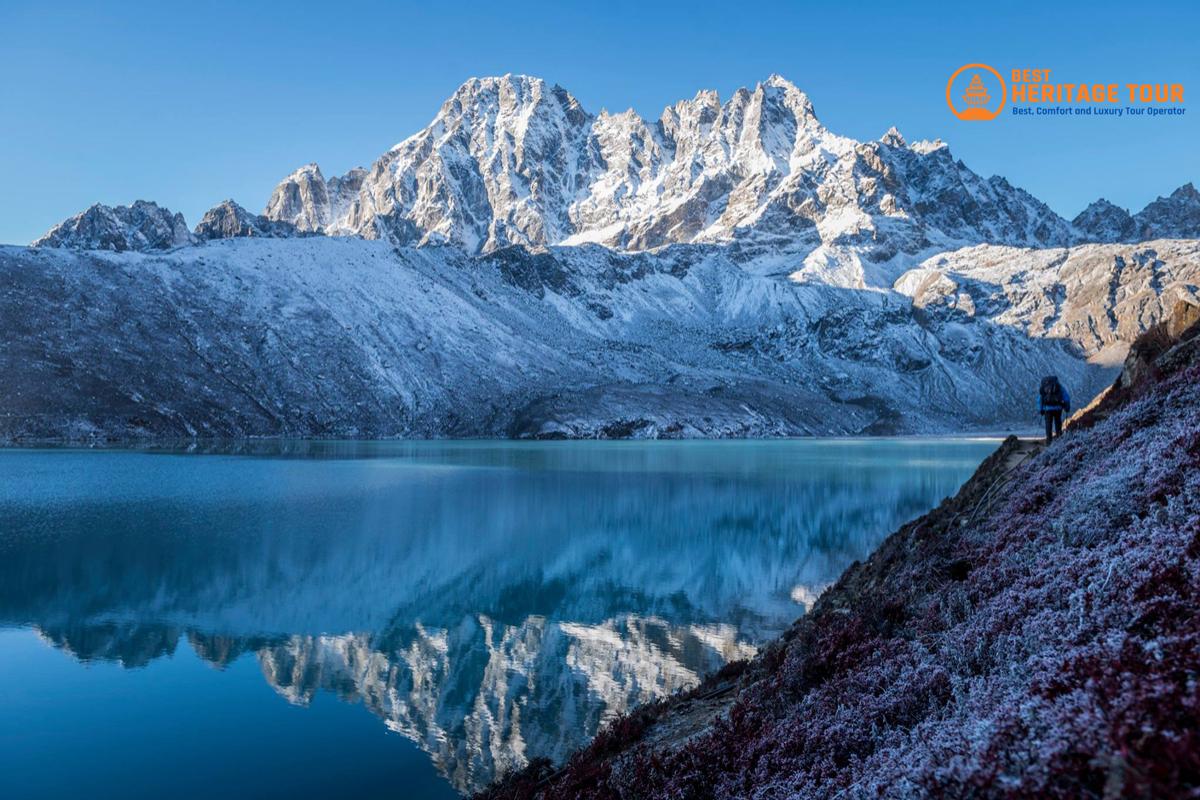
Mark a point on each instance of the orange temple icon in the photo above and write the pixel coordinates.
(976, 95)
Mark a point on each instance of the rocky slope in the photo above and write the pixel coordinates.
(1035, 636)
(334, 337)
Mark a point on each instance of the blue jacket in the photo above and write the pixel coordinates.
(1066, 402)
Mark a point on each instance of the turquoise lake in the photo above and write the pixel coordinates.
(402, 619)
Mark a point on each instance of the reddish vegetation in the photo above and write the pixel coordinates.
(1036, 636)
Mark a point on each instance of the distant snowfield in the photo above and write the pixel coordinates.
(346, 337)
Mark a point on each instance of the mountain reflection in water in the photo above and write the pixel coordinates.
(491, 602)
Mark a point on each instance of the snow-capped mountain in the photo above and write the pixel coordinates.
(757, 275)
(141, 226)
(1104, 222)
(1176, 216)
(512, 160)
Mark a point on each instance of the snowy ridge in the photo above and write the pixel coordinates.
(352, 338)
(512, 160)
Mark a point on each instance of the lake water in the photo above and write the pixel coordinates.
(402, 619)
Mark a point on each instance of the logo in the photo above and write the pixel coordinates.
(976, 92)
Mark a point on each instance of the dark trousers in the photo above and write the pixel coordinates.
(1053, 423)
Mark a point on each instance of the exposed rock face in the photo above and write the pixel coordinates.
(1184, 316)
(228, 220)
(141, 226)
(311, 203)
(1098, 297)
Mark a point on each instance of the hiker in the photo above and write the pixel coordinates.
(1053, 402)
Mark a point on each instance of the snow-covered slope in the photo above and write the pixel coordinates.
(1096, 297)
(323, 336)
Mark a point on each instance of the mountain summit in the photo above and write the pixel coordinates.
(514, 160)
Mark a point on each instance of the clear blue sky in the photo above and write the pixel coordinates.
(189, 103)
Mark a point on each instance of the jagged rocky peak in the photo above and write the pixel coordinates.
(512, 160)
(308, 201)
(228, 220)
(1103, 221)
(484, 99)
(1177, 216)
(141, 226)
(893, 138)
(778, 89)
(1173, 217)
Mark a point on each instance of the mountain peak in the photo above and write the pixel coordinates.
(1103, 221)
(893, 137)
(228, 220)
(1186, 192)
(514, 160)
(1174, 216)
(310, 168)
(927, 146)
(141, 226)
(509, 87)
(791, 96)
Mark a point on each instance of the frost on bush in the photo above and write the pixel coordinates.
(1050, 648)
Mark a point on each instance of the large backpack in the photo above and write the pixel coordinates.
(1051, 392)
